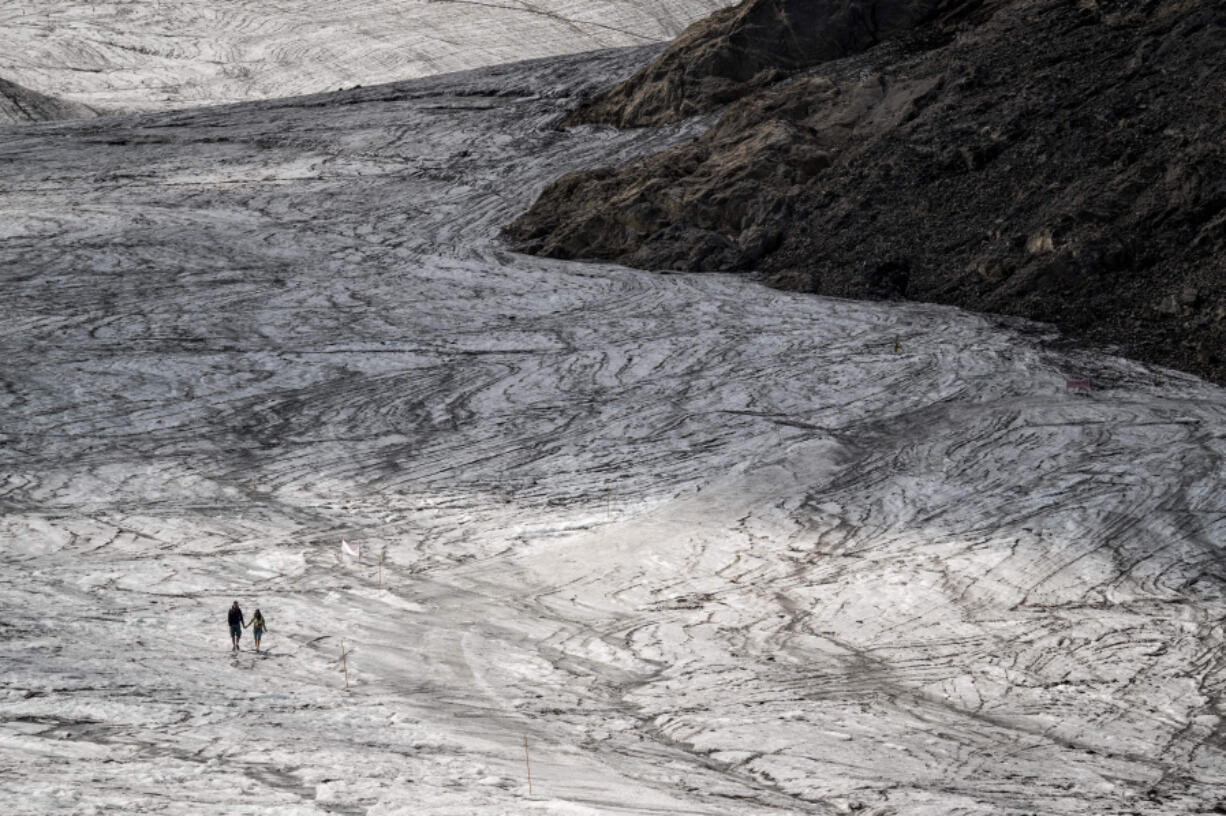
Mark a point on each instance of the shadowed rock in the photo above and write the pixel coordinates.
(751, 45)
(721, 201)
(20, 105)
(1060, 161)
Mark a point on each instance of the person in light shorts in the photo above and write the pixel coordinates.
(258, 626)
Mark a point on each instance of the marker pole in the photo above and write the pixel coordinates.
(528, 764)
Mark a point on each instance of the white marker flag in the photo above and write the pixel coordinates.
(353, 550)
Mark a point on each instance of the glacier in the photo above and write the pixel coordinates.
(669, 543)
(163, 54)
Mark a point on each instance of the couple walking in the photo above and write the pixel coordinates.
(238, 624)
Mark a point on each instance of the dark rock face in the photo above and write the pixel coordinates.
(19, 105)
(1062, 160)
(739, 49)
(722, 201)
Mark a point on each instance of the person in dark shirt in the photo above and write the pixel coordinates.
(236, 624)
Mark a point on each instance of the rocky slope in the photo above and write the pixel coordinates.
(20, 105)
(751, 45)
(1052, 159)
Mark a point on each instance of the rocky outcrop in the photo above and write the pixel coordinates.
(19, 105)
(1057, 160)
(754, 44)
(723, 200)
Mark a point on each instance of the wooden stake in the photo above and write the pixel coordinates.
(528, 764)
(345, 662)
